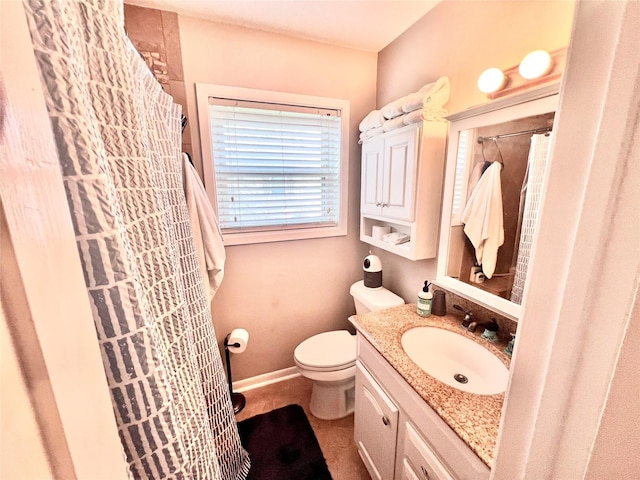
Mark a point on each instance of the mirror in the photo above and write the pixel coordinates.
(494, 180)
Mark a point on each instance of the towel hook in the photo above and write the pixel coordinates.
(481, 141)
(495, 140)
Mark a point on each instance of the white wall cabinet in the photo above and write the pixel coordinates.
(419, 444)
(401, 187)
(388, 174)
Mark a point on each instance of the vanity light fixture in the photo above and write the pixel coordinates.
(491, 80)
(536, 68)
(535, 65)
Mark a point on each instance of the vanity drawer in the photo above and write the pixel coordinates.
(416, 458)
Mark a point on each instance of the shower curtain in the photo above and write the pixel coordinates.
(538, 153)
(118, 138)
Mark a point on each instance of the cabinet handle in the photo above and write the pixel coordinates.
(385, 420)
(385, 205)
(425, 473)
(378, 204)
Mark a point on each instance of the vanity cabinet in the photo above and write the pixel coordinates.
(420, 445)
(375, 426)
(401, 186)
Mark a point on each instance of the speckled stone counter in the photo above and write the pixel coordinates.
(475, 418)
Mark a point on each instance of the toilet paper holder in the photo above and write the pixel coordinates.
(238, 400)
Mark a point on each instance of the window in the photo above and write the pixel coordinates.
(275, 164)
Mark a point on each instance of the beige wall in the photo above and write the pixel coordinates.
(460, 39)
(282, 292)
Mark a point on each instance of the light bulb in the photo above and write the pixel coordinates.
(491, 80)
(535, 64)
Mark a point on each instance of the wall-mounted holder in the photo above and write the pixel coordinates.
(238, 400)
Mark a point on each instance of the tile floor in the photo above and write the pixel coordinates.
(334, 436)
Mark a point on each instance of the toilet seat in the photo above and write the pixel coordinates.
(327, 351)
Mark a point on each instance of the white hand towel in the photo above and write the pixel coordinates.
(483, 219)
(206, 231)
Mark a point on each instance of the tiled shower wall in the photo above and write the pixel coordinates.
(156, 35)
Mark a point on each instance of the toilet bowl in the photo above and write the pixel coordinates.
(328, 359)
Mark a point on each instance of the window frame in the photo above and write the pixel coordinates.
(204, 91)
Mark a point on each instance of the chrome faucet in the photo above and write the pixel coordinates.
(472, 326)
(468, 316)
(492, 325)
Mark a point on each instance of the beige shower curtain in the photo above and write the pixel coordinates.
(118, 138)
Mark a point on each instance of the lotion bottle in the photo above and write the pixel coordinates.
(424, 301)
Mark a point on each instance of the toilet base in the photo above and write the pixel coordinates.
(332, 400)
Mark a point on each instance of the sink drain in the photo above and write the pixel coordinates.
(460, 378)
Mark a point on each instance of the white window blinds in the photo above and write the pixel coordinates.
(276, 167)
(460, 184)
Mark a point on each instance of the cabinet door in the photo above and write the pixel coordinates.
(399, 173)
(416, 459)
(407, 472)
(371, 177)
(375, 426)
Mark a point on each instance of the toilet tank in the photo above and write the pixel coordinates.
(372, 299)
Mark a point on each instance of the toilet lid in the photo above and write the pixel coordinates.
(327, 350)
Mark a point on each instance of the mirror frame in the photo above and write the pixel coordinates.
(533, 102)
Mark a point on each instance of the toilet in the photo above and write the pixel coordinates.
(329, 359)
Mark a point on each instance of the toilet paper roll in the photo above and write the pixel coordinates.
(378, 231)
(238, 336)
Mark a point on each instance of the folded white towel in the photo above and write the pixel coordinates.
(369, 134)
(483, 219)
(413, 102)
(434, 114)
(412, 117)
(432, 95)
(428, 114)
(394, 123)
(206, 231)
(374, 119)
(393, 109)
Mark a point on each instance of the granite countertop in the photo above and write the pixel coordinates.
(475, 418)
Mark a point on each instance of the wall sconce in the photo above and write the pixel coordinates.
(536, 68)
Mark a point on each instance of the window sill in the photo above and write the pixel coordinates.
(282, 235)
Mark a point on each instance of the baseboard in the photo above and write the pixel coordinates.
(265, 379)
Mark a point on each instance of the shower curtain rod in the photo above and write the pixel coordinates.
(514, 134)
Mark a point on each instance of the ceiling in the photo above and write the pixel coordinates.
(368, 25)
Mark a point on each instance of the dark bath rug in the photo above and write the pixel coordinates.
(282, 446)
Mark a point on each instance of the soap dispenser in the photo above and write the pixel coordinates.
(424, 300)
(509, 349)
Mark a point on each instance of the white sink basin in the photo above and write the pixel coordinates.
(455, 360)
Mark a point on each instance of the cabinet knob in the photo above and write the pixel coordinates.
(425, 473)
(378, 204)
(385, 420)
